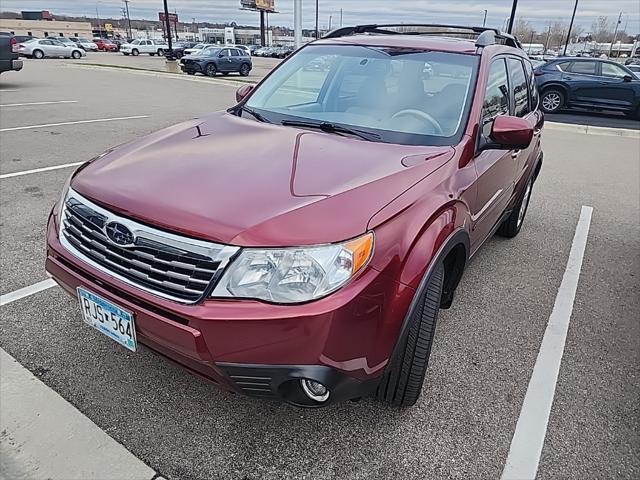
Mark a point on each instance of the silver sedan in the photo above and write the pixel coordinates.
(49, 47)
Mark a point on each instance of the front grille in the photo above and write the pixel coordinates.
(171, 266)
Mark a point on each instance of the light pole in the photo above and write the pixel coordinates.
(513, 15)
(167, 24)
(573, 16)
(126, 4)
(484, 22)
(615, 35)
(98, 17)
(317, 32)
(297, 22)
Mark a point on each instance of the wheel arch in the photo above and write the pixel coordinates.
(557, 85)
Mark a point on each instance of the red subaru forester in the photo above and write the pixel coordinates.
(299, 245)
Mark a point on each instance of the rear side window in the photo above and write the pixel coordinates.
(235, 53)
(533, 88)
(584, 68)
(496, 97)
(611, 70)
(519, 86)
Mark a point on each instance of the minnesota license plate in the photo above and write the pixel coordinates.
(104, 316)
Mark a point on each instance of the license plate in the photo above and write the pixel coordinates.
(115, 322)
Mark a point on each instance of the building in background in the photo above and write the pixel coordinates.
(46, 28)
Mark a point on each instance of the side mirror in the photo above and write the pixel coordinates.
(627, 78)
(221, 54)
(243, 92)
(509, 133)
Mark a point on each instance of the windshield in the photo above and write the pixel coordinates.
(135, 42)
(208, 52)
(403, 95)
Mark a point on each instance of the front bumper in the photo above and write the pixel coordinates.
(343, 341)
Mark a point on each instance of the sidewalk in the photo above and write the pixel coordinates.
(45, 437)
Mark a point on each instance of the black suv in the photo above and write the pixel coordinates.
(588, 83)
(213, 60)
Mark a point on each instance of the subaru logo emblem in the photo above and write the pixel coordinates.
(119, 234)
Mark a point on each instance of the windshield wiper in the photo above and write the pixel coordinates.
(329, 127)
(254, 114)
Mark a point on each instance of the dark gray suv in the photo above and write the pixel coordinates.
(213, 60)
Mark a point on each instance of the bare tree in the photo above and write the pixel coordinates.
(557, 34)
(524, 30)
(601, 30)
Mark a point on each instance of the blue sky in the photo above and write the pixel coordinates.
(538, 12)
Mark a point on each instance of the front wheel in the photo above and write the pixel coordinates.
(160, 52)
(211, 70)
(402, 381)
(552, 100)
(512, 225)
(152, 54)
(245, 69)
(135, 52)
(76, 54)
(38, 54)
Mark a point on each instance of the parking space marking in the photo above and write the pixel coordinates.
(38, 103)
(26, 291)
(38, 170)
(528, 438)
(97, 120)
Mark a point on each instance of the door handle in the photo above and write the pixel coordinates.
(515, 154)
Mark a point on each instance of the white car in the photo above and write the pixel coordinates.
(86, 45)
(152, 47)
(244, 48)
(49, 47)
(197, 48)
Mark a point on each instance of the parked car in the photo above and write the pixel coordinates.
(49, 47)
(635, 68)
(253, 48)
(214, 60)
(264, 52)
(9, 57)
(136, 47)
(282, 52)
(105, 45)
(299, 245)
(86, 45)
(179, 48)
(588, 83)
(67, 41)
(24, 38)
(246, 49)
(196, 48)
(632, 61)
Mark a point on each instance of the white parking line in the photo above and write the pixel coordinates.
(26, 291)
(37, 103)
(97, 120)
(528, 438)
(38, 170)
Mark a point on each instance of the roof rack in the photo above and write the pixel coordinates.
(484, 35)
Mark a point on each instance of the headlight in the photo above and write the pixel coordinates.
(294, 275)
(63, 198)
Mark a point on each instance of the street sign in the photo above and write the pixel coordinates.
(173, 17)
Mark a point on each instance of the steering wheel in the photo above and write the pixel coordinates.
(437, 129)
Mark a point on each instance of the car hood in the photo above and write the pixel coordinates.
(235, 180)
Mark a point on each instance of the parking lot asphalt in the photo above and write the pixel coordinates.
(485, 346)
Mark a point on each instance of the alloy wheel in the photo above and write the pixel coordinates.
(551, 101)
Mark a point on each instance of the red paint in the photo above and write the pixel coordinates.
(237, 181)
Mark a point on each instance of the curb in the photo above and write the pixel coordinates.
(45, 437)
(592, 130)
(232, 82)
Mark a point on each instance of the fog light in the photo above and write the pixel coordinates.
(315, 390)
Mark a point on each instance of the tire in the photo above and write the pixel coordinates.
(245, 69)
(190, 72)
(402, 381)
(125, 54)
(152, 54)
(135, 52)
(38, 54)
(76, 54)
(512, 225)
(211, 70)
(160, 52)
(554, 99)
